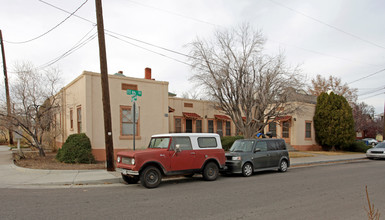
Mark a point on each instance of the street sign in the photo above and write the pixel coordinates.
(134, 93)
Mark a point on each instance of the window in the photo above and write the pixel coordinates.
(210, 126)
(129, 86)
(79, 117)
(71, 119)
(272, 145)
(159, 143)
(178, 125)
(285, 129)
(308, 129)
(219, 128)
(228, 128)
(183, 142)
(198, 125)
(273, 129)
(261, 145)
(126, 122)
(205, 142)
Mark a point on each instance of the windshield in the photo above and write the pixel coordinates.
(242, 146)
(159, 142)
(380, 145)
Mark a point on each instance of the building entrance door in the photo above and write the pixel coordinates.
(188, 126)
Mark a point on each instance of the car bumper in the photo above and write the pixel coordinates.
(375, 155)
(127, 172)
(234, 166)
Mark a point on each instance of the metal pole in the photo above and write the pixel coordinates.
(134, 106)
(6, 88)
(105, 89)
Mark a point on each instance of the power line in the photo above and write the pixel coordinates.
(373, 90)
(163, 48)
(331, 26)
(77, 46)
(149, 50)
(373, 96)
(372, 74)
(45, 33)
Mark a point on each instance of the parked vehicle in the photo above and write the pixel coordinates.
(377, 151)
(173, 154)
(370, 141)
(249, 155)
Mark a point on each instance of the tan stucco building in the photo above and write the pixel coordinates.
(82, 110)
(160, 112)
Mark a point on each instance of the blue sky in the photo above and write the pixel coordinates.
(343, 38)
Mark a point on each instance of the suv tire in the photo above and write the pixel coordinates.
(247, 169)
(210, 172)
(130, 179)
(150, 177)
(283, 166)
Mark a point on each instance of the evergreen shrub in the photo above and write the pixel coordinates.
(227, 141)
(76, 149)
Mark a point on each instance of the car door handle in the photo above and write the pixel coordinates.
(193, 153)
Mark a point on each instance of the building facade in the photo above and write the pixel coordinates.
(160, 112)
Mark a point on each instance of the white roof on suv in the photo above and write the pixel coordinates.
(186, 134)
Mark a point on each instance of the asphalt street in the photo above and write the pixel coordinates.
(320, 192)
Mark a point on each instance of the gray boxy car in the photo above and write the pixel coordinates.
(249, 155)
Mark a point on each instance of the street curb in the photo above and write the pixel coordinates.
(328, 162)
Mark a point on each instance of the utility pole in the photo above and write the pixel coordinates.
(105, 88)
(6, 88)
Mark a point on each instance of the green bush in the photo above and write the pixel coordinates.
(227, 141)
(76, 149)
(357, 146)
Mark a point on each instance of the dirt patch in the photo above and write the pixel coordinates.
(34, 161)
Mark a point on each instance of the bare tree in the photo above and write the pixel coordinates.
(248, 85)
(34, 104)
(321, 84)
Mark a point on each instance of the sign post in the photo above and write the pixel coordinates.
(134, 110)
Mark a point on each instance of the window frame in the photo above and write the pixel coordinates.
(137, 130)
(306, 130)
(79, 116)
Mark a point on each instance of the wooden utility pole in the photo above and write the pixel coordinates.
(105, 88)
(6, 87)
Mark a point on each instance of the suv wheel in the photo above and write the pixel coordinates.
(283, 166)
(130, 179)
(210, 172)
(247, 169)
(150, 177)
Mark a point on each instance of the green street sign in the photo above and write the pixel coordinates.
(134, 92)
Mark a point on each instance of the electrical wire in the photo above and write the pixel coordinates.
(372, 74)
(113, 36)
(373, 90)
(77, 46)
(372, 96)
(326, 24)
(45, 33)
(150, 44)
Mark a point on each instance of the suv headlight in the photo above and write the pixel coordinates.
(119, 159)
(236, 158)
(133, 161)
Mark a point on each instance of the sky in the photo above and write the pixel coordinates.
(342, 38)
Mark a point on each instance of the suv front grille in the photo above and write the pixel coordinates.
(127, 160)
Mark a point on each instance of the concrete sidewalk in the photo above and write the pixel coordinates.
(12, 176)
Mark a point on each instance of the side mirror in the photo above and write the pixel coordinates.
(257, 150)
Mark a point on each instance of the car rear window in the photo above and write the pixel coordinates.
(207, 142)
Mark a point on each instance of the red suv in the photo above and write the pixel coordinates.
(173, 154)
